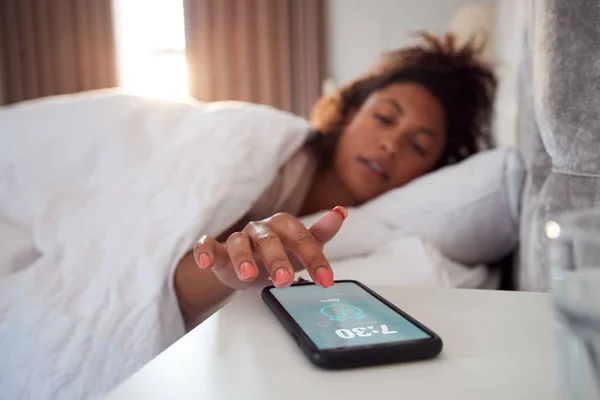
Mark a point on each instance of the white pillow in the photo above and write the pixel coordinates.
(469, 211)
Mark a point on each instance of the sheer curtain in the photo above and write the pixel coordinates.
(50, 47)
(263, 51)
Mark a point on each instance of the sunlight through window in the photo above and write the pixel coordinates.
(150, 37)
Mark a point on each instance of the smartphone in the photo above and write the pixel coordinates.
(349, 325)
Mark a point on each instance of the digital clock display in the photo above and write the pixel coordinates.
(345, 315)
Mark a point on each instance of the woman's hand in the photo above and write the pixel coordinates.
(266, 244)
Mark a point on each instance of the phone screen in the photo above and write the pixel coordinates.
(345, 315)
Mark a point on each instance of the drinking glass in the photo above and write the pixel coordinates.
(574, 260)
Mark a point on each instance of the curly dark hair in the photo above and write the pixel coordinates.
(464, 85)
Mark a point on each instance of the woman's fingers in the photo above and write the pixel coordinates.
(270, 248)
(235, 265)
(208, 253)
(305, 247)
(239, 249)
(329, 224)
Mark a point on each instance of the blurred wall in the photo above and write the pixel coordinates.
(511, 20)
(1, 80)
(358, 30)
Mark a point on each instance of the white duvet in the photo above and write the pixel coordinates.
(101, 194)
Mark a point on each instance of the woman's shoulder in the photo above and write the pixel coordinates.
(290, 186)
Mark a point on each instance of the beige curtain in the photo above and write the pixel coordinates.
(51, 47)
(262, 51)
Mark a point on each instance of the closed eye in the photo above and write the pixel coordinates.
(419, 149)
(384, 120)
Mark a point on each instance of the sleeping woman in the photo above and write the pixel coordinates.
(418, 109)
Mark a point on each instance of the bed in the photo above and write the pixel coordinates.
(553, 95)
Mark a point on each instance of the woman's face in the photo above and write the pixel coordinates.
(397, 135)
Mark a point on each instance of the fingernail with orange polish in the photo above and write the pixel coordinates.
(282, 277)
(342, 211)
(325, 277)
(204, 261)
(247, 271)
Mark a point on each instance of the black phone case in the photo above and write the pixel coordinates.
(353, 357)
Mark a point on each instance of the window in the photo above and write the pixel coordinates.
(150, 38)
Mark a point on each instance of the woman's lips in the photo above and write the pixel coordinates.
(375, 168)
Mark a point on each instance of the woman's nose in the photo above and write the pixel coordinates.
(389, 147)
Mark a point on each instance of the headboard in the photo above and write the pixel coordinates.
(558, 122)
